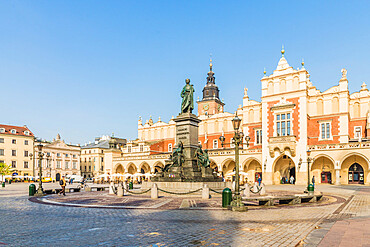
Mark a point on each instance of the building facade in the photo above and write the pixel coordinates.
(16, 144)
(60, 159)
(291, 118)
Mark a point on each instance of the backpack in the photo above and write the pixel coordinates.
(61, 182)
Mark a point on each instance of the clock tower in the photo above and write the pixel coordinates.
(211, 103)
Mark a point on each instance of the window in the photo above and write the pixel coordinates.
(14, 152)
(215, 144)
(102, 168)
(14, 141)
(2, 162)
(25, 153)
(258, 137)
(2, 130)
(85, 168)
(129, 149)
(25, 142)
(94, 159)
(13, 131)
(14, 164)
(283, 124)
(58, 164)
(25, 164)
(141, 148)
(102, 159)
(1, 152)
(325, 131)
(66, 165)
(74, 156)
(58, 154)
(74, 164)
(66, 155)
(170, 147)
(26, 133)
(1, 140)
(89, 168)
(358, 132)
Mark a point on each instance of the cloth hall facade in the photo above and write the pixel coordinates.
(292, 117)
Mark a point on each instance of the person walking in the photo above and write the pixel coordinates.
(313, 181)
(291, 179)
(62, 184)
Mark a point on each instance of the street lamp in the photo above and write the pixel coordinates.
(236, 203)
(33, 164)
(40, 191)
(308, 167)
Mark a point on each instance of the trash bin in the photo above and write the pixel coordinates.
(226, 197)
(310, 188)
(130, 186)
(31, 190)
(10, 181)
(3, 184)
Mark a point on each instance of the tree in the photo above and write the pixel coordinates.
(4, 170)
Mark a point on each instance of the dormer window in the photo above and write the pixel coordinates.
(2, 130)
(13, 131)
(27, 133)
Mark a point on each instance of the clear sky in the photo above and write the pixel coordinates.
(88, 68)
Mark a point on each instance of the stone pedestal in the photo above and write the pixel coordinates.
(154, 191)
(120, 190)
(189, 171)
(205, 192)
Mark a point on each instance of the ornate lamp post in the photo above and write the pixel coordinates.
(308, 167)
(236, 203)
(40, 191)
(33, 164)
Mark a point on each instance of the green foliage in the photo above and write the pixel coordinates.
(5, 169)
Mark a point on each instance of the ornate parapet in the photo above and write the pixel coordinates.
(282, 143)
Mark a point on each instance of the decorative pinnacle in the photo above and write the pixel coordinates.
(210, 62)
(282, 51)
(302, 63)
(264, 71)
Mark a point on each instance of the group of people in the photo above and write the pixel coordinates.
(285, 180)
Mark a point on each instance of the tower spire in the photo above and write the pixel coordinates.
(210, 62)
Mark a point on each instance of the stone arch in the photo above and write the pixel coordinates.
(323, 169)
(252, 169)
(228, 166)
(144, 167)
(119, 169)
(158, 163)
(349, 160)
(283, 166)
(131, 168)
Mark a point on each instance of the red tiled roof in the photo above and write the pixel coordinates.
(20, 130)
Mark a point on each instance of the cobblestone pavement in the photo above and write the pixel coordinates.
(33, 224)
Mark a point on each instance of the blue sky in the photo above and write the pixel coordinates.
(88, 68)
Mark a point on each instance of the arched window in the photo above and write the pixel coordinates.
(335, 105)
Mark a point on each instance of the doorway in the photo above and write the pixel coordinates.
(57, 177)
(356, 174)
(326, 177)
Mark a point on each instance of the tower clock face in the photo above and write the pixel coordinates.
(206, 107)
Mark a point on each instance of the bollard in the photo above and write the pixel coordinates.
(246, 192)
(111, 189)
(120, 191)
(154, 191)
(131, 185)
(263, 190)
(205, 192)
(125, 189)
(226, 197)
(31, 190)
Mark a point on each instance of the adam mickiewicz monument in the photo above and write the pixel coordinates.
(188, 162)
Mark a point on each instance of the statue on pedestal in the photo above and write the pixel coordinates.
(187, 104)
(202, 157)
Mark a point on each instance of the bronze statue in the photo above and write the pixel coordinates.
(177, 156)
(187, 104)
(202, 157)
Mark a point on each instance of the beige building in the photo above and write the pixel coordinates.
(60, 159)
(16, 143)
(95, 155)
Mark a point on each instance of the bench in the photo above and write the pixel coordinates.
(289, 200)
(264, 201)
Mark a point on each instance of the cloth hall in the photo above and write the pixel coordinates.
(291, 118)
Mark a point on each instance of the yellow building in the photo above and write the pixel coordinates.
(16, 144)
